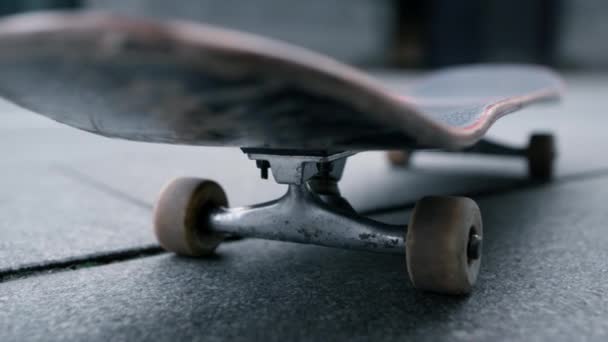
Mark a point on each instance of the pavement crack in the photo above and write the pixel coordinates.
(85, 261)
(83, 178)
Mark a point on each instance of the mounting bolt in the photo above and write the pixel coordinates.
(474, 247)
(263, 165)
(324, 169)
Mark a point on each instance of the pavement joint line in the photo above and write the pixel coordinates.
(515, 187)
(84, 261)
(87, 261)
(83, 178)
(524, 184)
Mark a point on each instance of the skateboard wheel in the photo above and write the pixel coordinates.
(541, 153)
(399, 158)
(443, 245)
(180, 216)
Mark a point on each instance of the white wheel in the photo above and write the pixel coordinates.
(541, 153)
(443, 245)
(400, 158)
(180, 216)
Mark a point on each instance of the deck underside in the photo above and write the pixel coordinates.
(115, 81)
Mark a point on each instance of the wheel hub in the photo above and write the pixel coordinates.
(474, 247)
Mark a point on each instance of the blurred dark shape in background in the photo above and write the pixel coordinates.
(16, 6)
(456, 32)
(397, 33)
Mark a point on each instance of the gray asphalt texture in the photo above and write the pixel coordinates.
(78, 260)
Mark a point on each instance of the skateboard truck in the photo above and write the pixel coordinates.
(312, 211)
(442, 242)
(540, 154)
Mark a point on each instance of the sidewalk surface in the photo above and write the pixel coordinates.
(78, 260)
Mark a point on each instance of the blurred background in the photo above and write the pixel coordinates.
(397, 33)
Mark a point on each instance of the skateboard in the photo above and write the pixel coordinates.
(295, 113)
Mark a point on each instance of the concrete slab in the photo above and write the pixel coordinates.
(543, 278)
(49, 216)
(45, 217)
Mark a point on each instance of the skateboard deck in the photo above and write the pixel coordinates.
(295, 112)
(186, 83)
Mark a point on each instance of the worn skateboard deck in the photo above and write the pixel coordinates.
(186, 83)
